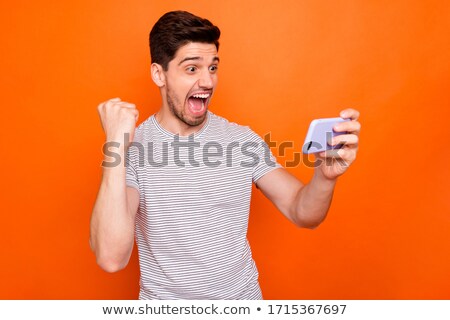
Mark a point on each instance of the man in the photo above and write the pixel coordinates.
(187, 200)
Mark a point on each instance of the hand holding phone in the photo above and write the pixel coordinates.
(320, 134)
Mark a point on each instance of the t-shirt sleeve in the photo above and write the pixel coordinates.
(266, 160)
(131, 173)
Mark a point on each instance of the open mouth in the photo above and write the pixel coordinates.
(198, 102)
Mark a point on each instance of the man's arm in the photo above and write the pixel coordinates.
(307, 205)
(113, 221)
(304, 205)
(113, 216)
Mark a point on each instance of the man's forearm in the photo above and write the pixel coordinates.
(112, 225)
(313, 201)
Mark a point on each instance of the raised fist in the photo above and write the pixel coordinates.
(118, 118)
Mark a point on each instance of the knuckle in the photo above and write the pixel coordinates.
(127, 112)
(108, 106)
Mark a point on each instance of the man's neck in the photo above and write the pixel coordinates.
(174, 125)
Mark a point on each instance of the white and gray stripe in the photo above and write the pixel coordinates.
(191, 226)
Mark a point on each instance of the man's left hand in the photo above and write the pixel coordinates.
(335, 162)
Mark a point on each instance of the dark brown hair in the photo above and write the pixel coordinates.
(175, 29)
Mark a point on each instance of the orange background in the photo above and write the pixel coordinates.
(283, 63)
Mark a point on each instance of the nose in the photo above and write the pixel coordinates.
(206, 80)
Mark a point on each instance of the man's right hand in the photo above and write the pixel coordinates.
(118, 117)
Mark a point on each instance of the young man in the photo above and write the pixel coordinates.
(184, 193)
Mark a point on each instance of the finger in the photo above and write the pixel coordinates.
(111, 102)
(108, 103)
(136, 113)
(131, 107)
(348, 126)
(333, 153)
(350, 114)
(127, 105)
(345, 140)
(122, 104)
(100, 107)
(346, 155)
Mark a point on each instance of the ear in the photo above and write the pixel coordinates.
(158, 76)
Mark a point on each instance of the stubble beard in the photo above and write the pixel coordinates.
(172, 101)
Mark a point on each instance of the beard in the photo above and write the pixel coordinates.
(178, 110)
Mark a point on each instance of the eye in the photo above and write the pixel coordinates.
(213, 68)
(191, 69)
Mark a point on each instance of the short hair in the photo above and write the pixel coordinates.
(175, 29)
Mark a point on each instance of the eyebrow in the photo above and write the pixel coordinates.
(215, 59)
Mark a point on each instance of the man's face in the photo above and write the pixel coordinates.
(191, 79)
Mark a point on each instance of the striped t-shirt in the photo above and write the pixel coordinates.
(191, 225)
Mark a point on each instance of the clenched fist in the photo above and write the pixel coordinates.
(118, 118)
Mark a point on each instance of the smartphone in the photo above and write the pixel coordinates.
(320, 133)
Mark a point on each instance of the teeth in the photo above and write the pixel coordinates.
(202, 96)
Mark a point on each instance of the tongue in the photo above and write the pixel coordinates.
(196, 105)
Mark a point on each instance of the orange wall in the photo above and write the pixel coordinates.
(283, 63)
